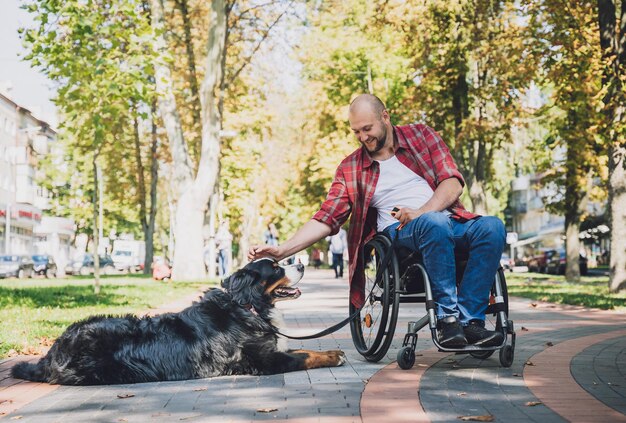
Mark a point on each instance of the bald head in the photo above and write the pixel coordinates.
(370, 123)
(367, 102)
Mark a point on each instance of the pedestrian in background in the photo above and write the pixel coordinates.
(224, 244)
(270, 236)
(338, 244)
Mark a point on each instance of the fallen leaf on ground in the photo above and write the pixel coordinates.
(524, 329)
(517, 374)
(122, 396)
(266, 410)
(533, 304)
(9, 401)
(30, 350)
(533, 403)
(204, 388)
(549, 344)
(44, 341)
(485, 418)
(529, 363)
(190, 417)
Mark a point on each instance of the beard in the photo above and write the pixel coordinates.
(380, 141)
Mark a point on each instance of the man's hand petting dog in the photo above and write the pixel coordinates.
(230, 331)
(262, 251)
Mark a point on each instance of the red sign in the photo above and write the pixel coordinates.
(29, 215)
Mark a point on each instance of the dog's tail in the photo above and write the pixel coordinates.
(29, 371)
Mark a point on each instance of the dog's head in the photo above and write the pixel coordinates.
(263, 282)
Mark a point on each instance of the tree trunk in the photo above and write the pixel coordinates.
(187, 228)
(154, 179)
(141, 188)
(572, 249)
(96, 240)
(476, 189)
(617, 216)
(613, 45)
(147, 220)
(189, 242)
(183, 8)
(188, 256)
(249, 220)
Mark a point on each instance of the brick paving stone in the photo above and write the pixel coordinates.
(600, 370)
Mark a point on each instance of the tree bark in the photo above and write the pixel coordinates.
(154, 179)
(183, 8)
(188, 263)
(96, 237)
(572, 249)
(141, 187)
(188, 255)
(147, 220)
(613, 45)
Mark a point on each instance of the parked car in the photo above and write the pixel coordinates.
(539, 262)
(16, 266)
(84, 265)
(557, 263)
(506, 262)
(129, 255)
(45, 265)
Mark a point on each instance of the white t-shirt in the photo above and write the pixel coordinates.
(398, 186)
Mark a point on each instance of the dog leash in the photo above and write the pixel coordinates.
(385, 261)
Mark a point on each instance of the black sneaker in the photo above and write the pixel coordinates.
(450, 333)
(476, 334)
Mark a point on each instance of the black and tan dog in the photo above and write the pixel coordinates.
(227, 332)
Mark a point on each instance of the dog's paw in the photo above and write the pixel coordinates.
(338, 356)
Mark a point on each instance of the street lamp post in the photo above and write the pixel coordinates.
(7, 230)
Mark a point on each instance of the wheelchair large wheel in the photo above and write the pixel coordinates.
(373, 328)
(492, 314)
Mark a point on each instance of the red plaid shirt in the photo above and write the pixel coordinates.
(423, 151)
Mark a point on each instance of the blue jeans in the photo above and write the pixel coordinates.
(436, 236)
(223, 265)
(338, 264)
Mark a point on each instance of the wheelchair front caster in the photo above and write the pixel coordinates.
(406, 358)
(507, 354)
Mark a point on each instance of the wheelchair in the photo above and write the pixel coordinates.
(404, 280)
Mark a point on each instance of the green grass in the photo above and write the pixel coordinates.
(33, 312)
(592, 291)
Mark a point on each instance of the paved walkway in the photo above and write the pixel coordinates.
(570, 365)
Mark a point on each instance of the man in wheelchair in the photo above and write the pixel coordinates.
(402, 180)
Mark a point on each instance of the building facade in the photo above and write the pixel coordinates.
(538, 229)
(24, 140)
